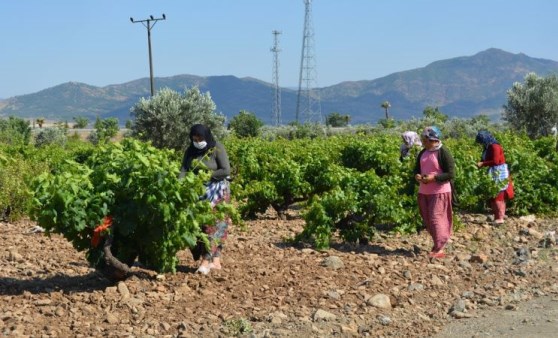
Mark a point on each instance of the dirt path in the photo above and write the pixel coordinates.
(271, 289)
(535, 318)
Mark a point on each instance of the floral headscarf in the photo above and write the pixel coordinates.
(432, 133)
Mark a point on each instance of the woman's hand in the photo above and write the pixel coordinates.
(479, 164)
(427, 178)
(418, 178)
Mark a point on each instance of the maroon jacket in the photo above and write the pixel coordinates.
(495, 156)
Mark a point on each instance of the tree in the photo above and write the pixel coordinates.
(532, 106)
(480, 119)
(337, 120)
(40, 122)
(435, 114)
(246, 124)
(81, 122)
(386, 105)
(387, 123)
(104, 130)
(166, 118)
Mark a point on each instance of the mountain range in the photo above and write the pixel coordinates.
(460, 87)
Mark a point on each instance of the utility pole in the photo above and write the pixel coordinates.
(149, 23)
(276, 112)
(308, 104)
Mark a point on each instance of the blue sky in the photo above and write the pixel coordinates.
(46, 43)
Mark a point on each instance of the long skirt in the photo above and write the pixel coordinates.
(216, 193)
(436, 212)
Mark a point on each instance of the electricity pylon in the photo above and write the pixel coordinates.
(308, 105)
(276, 110)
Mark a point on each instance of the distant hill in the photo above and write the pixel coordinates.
(461, 87)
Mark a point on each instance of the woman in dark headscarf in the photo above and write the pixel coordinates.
(493, 158)
(212, 154)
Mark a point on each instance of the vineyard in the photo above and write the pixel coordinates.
(357, 184)
(123, 206)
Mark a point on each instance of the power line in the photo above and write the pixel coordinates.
(149, 23)
(276, 110)
(308, 100)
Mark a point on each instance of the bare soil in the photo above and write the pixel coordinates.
(268, 288)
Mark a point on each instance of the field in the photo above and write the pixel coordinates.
(326, 241)
(272, 289)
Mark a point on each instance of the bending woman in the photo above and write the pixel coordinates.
(212, 154)
(493, 158)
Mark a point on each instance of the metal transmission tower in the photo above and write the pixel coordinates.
(276, 110)
(308, 101)
(149, 23)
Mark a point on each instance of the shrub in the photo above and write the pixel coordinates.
(166, 118)
(154, 214)
(81, 122)
(245, 124)
(15, 131)
(51, 136)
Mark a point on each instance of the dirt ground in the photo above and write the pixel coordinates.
(535, 318)
(496, 281)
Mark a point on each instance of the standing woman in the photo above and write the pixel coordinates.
(434, 170)
(212, 154)
(493, 158)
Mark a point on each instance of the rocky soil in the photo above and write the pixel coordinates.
(269, 288)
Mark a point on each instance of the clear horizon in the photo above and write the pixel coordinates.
(94, 42)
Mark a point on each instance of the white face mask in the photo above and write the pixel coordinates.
(200, 145)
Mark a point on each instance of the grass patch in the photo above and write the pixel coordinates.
(237, 327)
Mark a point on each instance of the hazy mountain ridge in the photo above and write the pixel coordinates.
(462, 86)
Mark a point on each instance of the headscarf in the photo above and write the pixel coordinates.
(193, 152)
(410, 138)
(433, 133)
(485, 138)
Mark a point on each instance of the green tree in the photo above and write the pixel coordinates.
(40, 121)
(435, 114)
(532, 106)
(81, 122)
(387, 123)
(386, 105)
(480, 119)
(337, 120)
(166, 118)
(246, 124)
(104, 130)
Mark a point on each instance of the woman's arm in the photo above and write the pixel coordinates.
(494, 156)
(448, 166)
(184, 166)
(223, 166)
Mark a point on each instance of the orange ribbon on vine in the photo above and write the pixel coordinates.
(107, 222)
